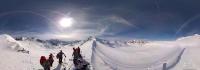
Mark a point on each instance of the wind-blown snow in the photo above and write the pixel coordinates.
(181, 54)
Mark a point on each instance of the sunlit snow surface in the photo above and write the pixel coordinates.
(181, 54)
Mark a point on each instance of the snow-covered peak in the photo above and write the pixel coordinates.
(8, 42)
(117, 43)
(190, 38)
(7, 37)
(187, 41)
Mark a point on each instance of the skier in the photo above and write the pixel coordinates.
(42, 60)
(45, 63)
(51, 60)
(79, 52)
(60, 56)
(78, 61)
(77, 55)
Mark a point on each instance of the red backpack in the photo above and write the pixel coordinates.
(42, 59)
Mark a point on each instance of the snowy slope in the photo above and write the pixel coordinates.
(133, 58)
(10, 58)
(8, 42)
(190, 59)
(13, 60)
(181, 54)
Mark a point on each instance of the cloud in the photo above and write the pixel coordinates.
(102, 31)
(121, 20)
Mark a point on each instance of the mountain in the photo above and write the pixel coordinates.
(50, 42)
(189, 41)
(180, 54)
(115, 43)
(9, 42)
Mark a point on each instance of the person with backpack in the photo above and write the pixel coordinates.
(60, 56)
(51, 60)
(79, 52)
(79, 62)
(76, 55)
(45, 63)
(42, 60)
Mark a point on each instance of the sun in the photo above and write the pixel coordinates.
(66, 22)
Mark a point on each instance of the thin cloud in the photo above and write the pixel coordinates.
(121, 20)
(102, 31)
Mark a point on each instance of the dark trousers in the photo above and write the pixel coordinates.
(75, 61)
(46, 65)
(60, 60)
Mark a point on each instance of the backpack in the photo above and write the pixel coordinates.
(58, 55)
(42, 60)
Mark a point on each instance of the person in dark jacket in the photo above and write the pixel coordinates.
(77, 55)
(78, 50)
(51, 60)
(60, 56)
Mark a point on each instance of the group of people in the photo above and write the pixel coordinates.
(48, 63)
(77, 55)
(79, 62)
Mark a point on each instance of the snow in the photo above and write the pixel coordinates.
(190, 58)
(181, 54)
(9, 43)
(134, 58)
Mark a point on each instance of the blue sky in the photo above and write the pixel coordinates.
(143, 19)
